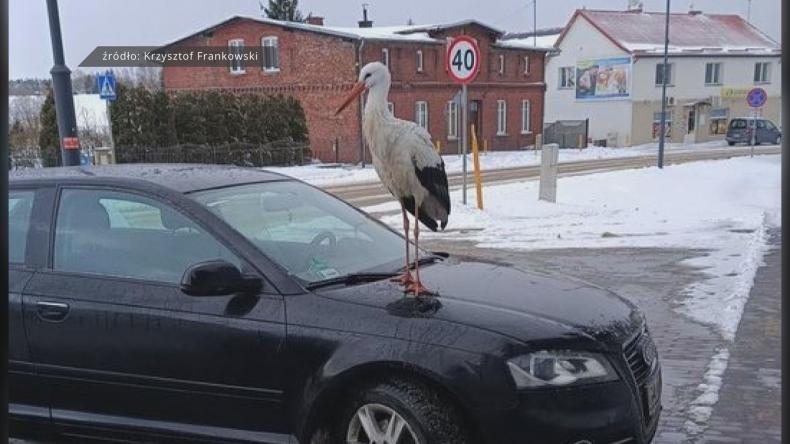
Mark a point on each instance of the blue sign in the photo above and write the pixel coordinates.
(105, 83)
(756, 97)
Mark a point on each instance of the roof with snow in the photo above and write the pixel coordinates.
(406, 33)
(693, 33)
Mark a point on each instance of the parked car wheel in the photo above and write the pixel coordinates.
(402, 412)
(778, 140)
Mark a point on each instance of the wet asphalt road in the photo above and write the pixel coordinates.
(749, 407)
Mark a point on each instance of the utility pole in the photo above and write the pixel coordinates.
(535, 23)
(664, 73)
(64, 100)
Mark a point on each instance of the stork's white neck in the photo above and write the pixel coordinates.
(376, 114)
(377, 98)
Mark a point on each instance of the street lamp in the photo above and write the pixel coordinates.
(61, 85)
(664, 72)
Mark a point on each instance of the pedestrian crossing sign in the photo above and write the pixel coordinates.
(105, 83)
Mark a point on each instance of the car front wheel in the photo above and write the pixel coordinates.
(400, 411)
(778, 140)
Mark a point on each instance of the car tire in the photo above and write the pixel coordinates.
(778, 140)
(429, 419)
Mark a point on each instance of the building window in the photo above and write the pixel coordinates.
(526, 64)
(657, 125)
(525, 112)
(501, 64)
(713, 73)
(761, 72)
(385, 57)
(567, 78)
(452, 120)
(271, 54)
(236, 48)
(718, 120)
(501, 118)
(660, 73)
(391, 108)
(419, 60)
(421, 114)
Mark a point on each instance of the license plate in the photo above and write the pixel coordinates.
(652, 393)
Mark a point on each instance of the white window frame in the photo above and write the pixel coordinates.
(526, 64)
(667, 72)
(715, 78)
(385, 57)
(235, 43)
(266, 43)
(501, 118)
(419, 60)
(452, 120)
(501, 64)
(568, 82)
(391, 108)
(764, 73)
(526, 110)
(421, 113)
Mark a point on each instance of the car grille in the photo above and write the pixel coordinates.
(634, 354)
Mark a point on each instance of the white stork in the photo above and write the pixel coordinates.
(405, 161)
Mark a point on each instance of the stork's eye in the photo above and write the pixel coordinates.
(367, 75)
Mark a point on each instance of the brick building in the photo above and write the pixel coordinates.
(318, 65)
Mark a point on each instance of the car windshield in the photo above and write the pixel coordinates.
(311, 234)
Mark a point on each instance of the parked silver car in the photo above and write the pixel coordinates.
(740, 131)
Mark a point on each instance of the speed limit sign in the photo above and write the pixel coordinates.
(463, 59)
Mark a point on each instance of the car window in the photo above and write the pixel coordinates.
(761, 124)
(311, 234)
(20, 204)
(738, 123)
(126, 235)
(770, 125)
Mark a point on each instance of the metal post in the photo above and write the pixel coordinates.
(754, 130)
(664, 72)
(109, 125)
(61, 85)
(535, 22)
(463, 137)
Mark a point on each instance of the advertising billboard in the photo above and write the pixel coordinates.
(603, 78)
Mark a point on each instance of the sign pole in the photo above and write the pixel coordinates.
(754, 130)
(464, 136)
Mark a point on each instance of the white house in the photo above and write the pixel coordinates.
(608, 68)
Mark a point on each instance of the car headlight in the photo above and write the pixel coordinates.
(559, 368)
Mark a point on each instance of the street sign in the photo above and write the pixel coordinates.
(105, 83)
(756, 97)
(70, 143)
(463, 59)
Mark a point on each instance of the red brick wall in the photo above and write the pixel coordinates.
(317, 69)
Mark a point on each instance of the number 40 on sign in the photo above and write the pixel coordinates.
(463, 59)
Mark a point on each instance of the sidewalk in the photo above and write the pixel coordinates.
(749, 408)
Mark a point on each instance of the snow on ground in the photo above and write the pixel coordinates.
(343, 174)
(722, 207)
(702, 406)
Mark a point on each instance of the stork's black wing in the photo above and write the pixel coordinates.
(434, 179)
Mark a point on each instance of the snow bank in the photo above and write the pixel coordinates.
(723, 207)
(702, 407)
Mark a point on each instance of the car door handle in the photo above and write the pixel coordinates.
(52, 311)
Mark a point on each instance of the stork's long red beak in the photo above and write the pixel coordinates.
(358, 88)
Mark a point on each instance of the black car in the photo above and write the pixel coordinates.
(740, 131)
(167, 303)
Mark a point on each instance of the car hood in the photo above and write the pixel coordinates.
(529, 306)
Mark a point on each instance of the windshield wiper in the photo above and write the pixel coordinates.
(350, 279)
(424, 260)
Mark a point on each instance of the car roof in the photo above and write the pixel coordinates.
(183, 178)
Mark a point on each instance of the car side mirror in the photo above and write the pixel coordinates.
(218, 278)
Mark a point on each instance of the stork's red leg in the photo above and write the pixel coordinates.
(405, 278)
(416, 287)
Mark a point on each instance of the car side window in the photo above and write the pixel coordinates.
(20, 205)
(761, 124)
(122, 234)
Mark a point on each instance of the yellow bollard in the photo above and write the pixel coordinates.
(438, 146)
(478, 179)
(485, 146)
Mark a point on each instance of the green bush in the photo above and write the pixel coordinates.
(49, 138)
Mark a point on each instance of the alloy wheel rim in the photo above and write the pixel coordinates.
(379, 424)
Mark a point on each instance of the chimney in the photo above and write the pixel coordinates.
(693, 11)
(634, 6)
(365, 23)
(315, 20)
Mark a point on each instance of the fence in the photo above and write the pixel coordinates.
(274, 153)
(567, 133)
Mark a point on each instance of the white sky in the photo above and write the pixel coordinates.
(90, 23)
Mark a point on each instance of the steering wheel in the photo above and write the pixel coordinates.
(317, 240)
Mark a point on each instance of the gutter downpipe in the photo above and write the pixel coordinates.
(361, 45)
